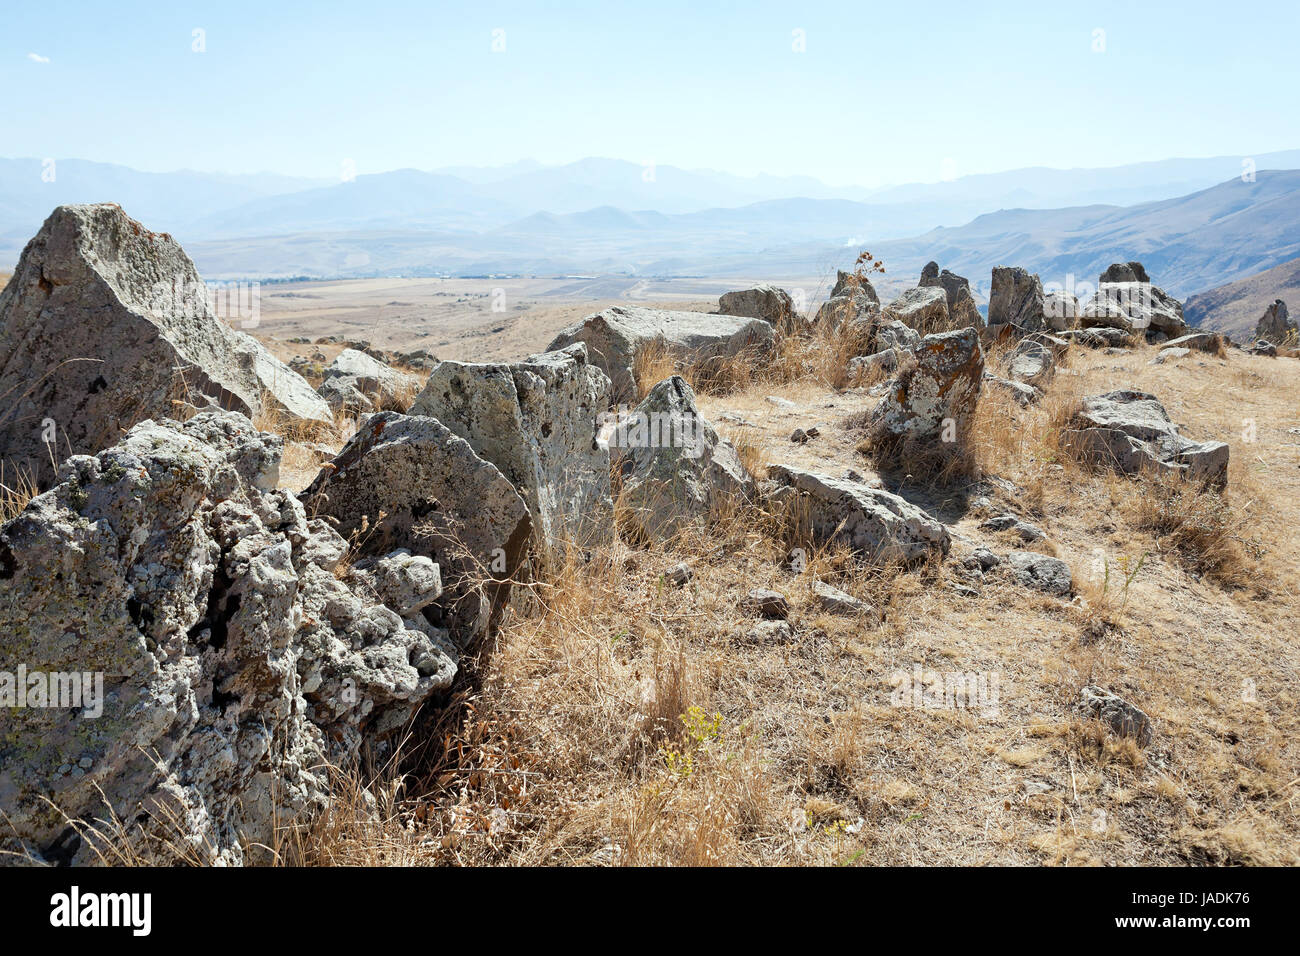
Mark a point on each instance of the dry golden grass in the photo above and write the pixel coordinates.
(617, 719)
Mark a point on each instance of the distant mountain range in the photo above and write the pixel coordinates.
(1195, 222)
(1236, 308)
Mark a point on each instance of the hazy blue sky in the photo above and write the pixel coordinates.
(883, 92)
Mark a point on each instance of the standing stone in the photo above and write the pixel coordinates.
(850, 283)
(239, 656)
(765, 302)
(105, 324)
(615, 336)
(537, 421)
(672, 466)
(1017, 299)
(962, 310)
(923, 309)
(1275, 326)
(942, 387)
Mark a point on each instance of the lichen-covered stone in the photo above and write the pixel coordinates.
(237, 657)
(537, 421)
(105, 324)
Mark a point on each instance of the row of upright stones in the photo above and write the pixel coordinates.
(247, 636)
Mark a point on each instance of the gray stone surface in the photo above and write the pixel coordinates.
(832, 600)
(1275, 325)
(1016, 298)
(764, 301)
(1130, 431)
(105, 324)
(877, 524)
(943, 384)
(1041, 572)
(672, 466)
(1122, 718)
(538, 421)
(615, 336)
(407, 481)
(962, 310)
(238, 654)
(355, 373)
(922, 309)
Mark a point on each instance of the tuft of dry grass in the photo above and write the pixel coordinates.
(1202, 526)
(16, 491)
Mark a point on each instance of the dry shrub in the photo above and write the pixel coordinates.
(16, 491)
(1201, 525)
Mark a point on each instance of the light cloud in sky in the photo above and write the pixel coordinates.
(37, 58)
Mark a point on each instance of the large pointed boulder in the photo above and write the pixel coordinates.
(105, 324)
(671, 463)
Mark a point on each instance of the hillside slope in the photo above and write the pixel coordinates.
(1235, 308)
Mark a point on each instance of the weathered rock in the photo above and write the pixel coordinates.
(672, 466)
(854, 309)
(355, 373)
(767, 603)
(1023, 529)
(408, 481)
(405, 582)
(1060, 310)
(1118, 272)
(1016, 298)
(1031, 363)
(1041, 572)
(105, 324)
(1130, 431)
(237, 658)
(538, 421)
(877, 524)
(834, 601)
(1099, 337)
(942, 387)
(615, 336)
(1275, 326)
(962, 310)
(344, 397)
(1263, 348)
(770, 632)
(982, 559)
(1202, 341)
(765, 302)
(894, 334)
(1169, 355)
(1123, 719)
(862, 365)
(1126, 300)
(922, 309)
(1024, 395)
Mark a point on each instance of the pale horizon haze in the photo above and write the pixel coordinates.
(835, 91)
